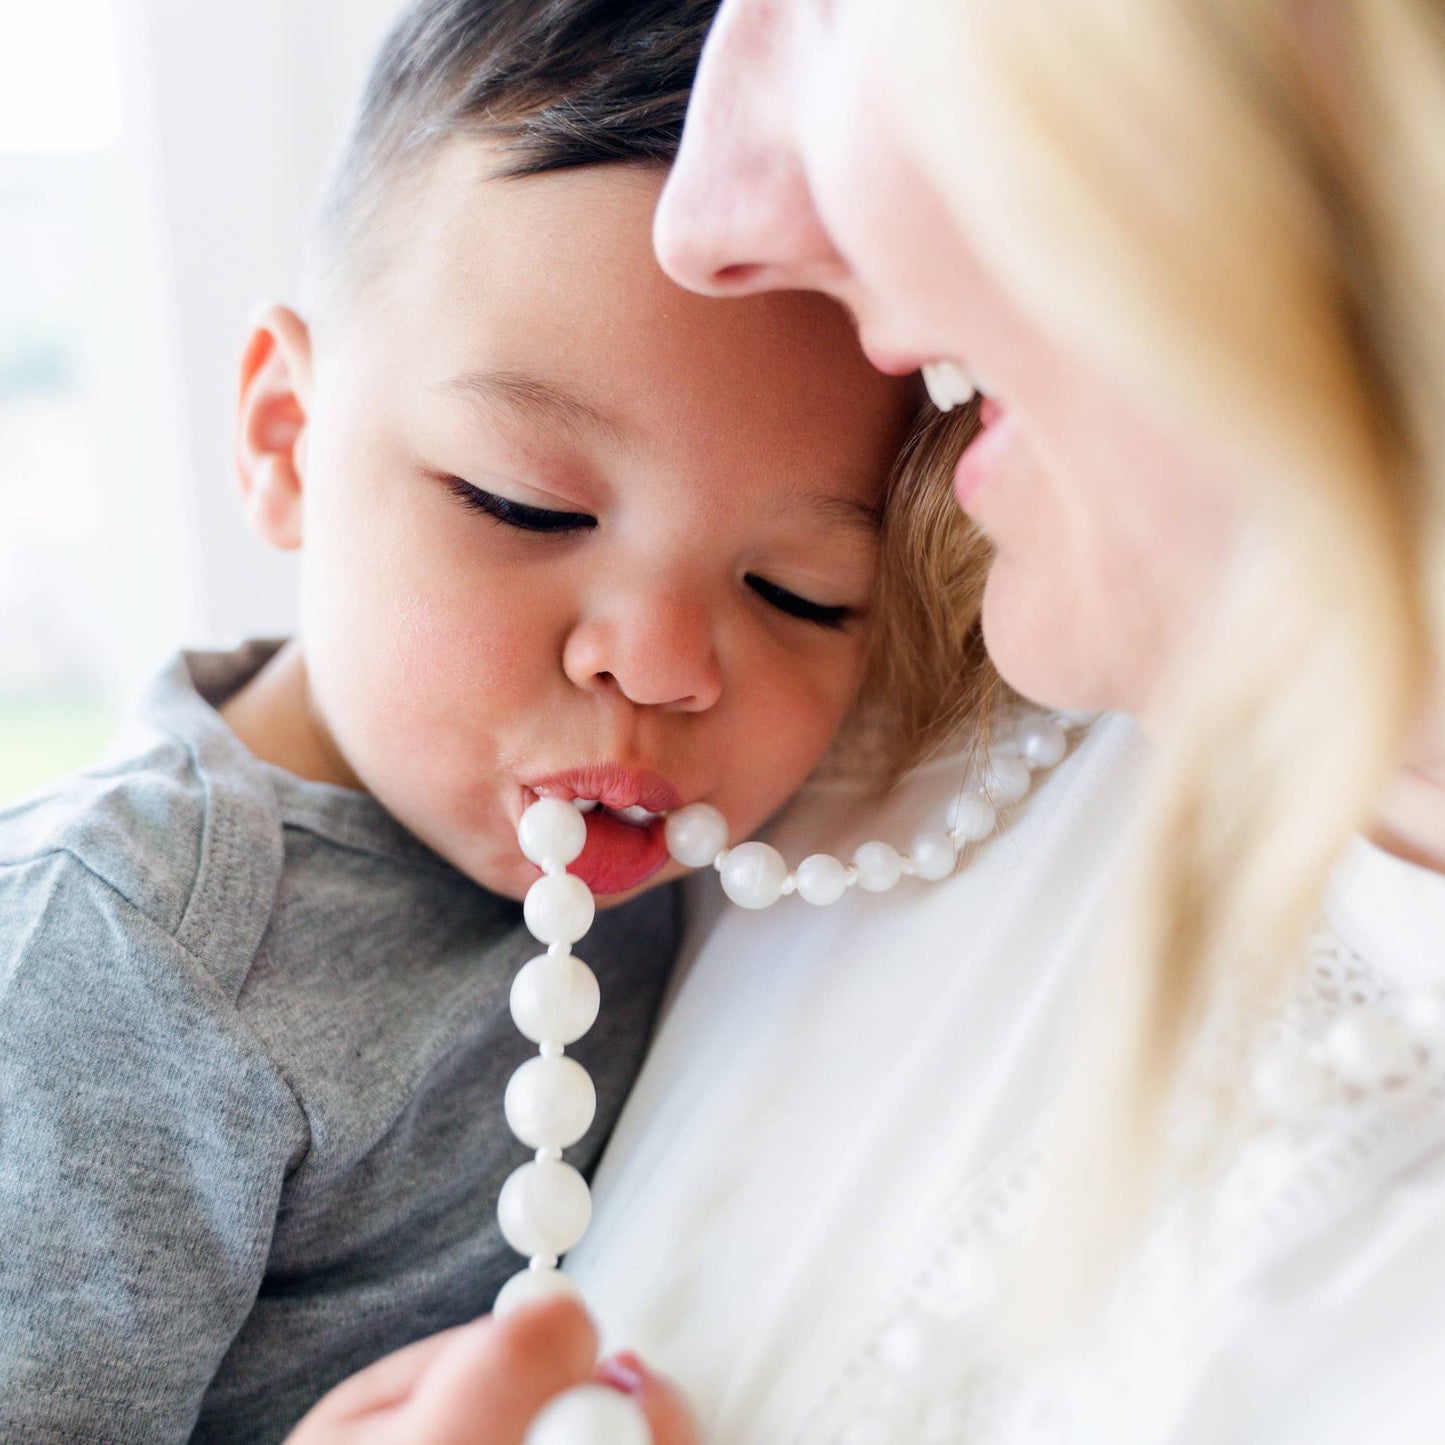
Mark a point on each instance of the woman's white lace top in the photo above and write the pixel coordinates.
(803, 1211)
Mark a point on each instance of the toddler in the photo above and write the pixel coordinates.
(567, 531)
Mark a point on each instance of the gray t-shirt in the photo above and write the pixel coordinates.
(253, 1043)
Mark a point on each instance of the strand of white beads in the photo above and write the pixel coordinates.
(545, 1206)
(755, 875)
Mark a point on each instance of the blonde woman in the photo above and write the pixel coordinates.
(1190, 251)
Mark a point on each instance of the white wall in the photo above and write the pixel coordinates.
(233, 111)
(158, 162)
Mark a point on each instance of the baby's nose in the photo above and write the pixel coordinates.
(656, 650)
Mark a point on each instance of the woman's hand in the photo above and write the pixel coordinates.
(483, 1383)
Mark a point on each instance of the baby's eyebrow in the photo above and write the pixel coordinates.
(836, 511)
(545, 403)
(538, 400)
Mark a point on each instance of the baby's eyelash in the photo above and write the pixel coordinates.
(518, 514)
(795, 606)
(542, 519)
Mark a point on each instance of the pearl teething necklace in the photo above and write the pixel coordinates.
(545, 1207)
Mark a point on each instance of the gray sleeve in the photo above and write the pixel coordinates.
(144, 1141)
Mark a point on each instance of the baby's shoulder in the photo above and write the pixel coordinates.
(137, 825)
(151, 840)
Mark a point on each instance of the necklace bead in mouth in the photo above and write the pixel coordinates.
(636, 816)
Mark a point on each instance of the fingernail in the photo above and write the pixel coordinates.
(624, 1372)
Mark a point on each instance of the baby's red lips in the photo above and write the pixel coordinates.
(611, 784)
(619, 855)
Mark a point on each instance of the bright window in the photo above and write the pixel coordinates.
(59, 123)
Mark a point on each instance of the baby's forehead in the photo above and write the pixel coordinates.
(674, 459)
(538, 302)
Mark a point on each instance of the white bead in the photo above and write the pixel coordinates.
(555, 999)
(552, 831)
(879, 866)
(558, 908)
(917, 1352)
(1289, 1085)
(1369, 1048)
(753, 874)
(1067, 718)
(934, 856)
(550, 1103)
(971, 818)
(590, 1415)
(973, 1277)
(1005, 779)
(530, 1286)
(1041, 743)
(696, 834)
(822, 879)
(1423, 1014)
(544, 1208)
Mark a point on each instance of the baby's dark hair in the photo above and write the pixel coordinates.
(550, 84)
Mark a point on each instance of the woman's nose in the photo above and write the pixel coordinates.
(654, 649)
(737, 215)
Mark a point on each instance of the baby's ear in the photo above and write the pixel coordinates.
(275, 389)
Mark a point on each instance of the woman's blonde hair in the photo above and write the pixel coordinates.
(1236, 207)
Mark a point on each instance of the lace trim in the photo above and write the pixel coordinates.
(949, 1286)
(920, 1376)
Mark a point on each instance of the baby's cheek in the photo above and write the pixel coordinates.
(795, 723)
(455, 672)
(406, 678)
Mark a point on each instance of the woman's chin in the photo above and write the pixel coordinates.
(1044, 645)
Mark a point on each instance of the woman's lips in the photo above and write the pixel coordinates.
(983, 457)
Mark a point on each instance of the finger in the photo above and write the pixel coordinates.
(500, 1372)
(386, 1383)
(665, 1406)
